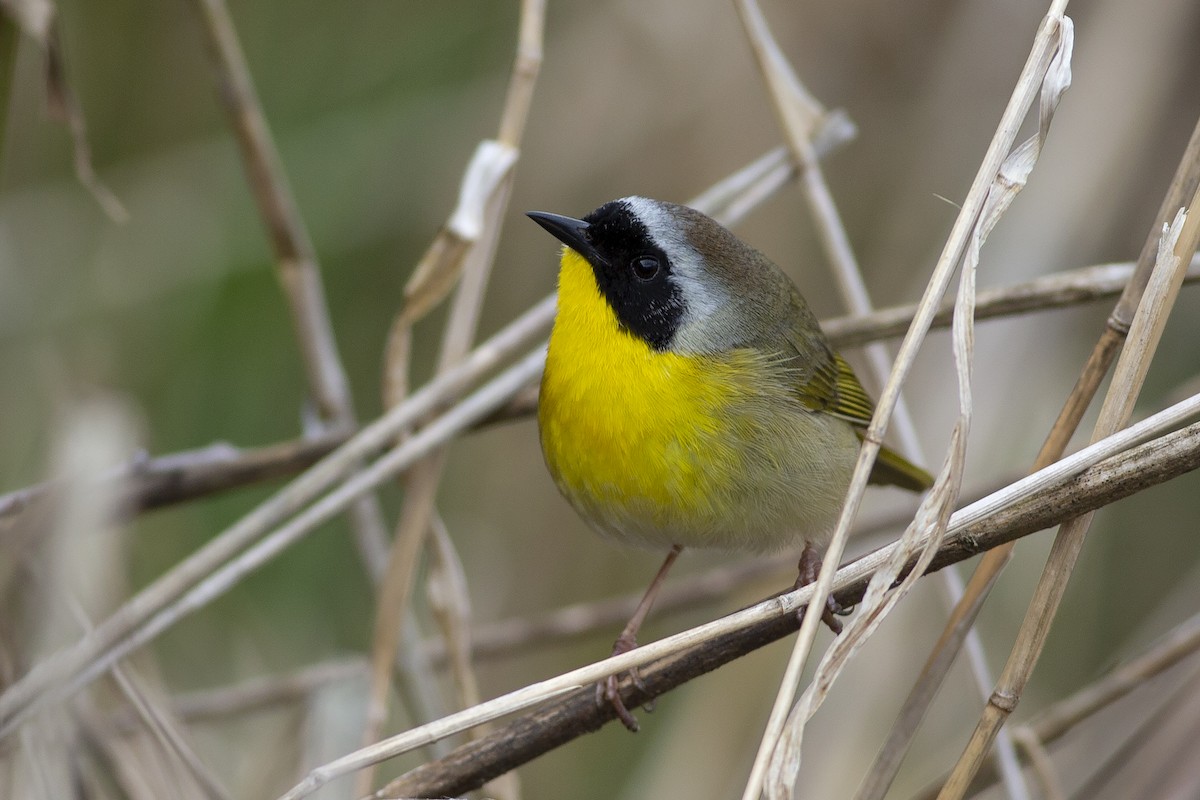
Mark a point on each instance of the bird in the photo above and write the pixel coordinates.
(691, 399)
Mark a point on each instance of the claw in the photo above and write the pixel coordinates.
(608, 690)
(809, 568)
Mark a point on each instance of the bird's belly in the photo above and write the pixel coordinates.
(697, 454)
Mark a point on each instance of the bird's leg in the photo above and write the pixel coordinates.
(607, 690)
(809, 568)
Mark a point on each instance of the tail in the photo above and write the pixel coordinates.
(892, 469)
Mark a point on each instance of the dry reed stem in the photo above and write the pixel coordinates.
(73, 566)
(1183, 185)
(38, 19)
(1161, 736)
(1055, 290)
(471, 270)
(1043, 766)
(91, 437)
(1063, 716)
(422, 480)
(371, 439)
(168, 735)
(447, 591)
(1031, 504)
(797, 111)
(290, 242)
(1060, 717)
(1045, 47)
(391, 604)
(146, 484)
(68, 665)
(1177, 248)
(1011, 178)
(123, 763)
(295, 257)
(248, 696)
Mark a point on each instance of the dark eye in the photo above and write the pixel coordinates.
(644, 267)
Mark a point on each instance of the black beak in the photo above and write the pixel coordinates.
(570, 231)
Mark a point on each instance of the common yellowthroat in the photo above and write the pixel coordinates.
(690, 398)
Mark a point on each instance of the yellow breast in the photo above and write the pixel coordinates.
(659, 448)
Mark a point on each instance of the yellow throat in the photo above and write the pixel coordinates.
(658, 448)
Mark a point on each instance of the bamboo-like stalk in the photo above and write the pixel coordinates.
(460, 254)
(1065, 715)
(295, 257)
(1177, 248)
(143, 616)
(146, 484)
(1029, 505)
(797, 111)
(371, 439)
(1045, 46)
(76, 665)
(474, 266)
(937, 666)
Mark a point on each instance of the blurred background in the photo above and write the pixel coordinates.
(377, 108)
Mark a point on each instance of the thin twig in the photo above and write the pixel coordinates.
(691, 653)
(1043, 766)
(1171, 726)
(39, 21)
(1184, 184)
(167, 734)
(1177, 248)
(1060, 718)
(1056, 290)
(295, 257)
(797, 111)
(472, 269)
(150, 483)
(83, 658)
(67, 667)
(1027, 88)
(1055, 721)
(255, 694)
